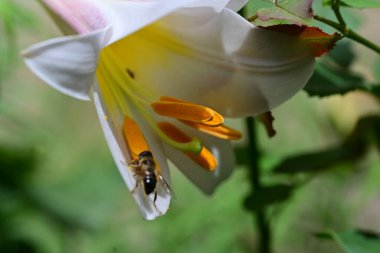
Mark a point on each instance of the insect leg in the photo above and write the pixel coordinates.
(154, 202)
(135, 188)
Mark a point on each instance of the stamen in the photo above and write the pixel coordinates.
(193, 145)
(183, 111)
(134, 137)
(205, 158)
(222, 131)
(216, 120)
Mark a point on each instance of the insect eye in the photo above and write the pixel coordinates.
(145, 154)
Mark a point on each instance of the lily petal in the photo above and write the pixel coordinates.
(68, 64)
(220, 61)
(205, 180)
(130, 16)
(76, 16)
(115, 141)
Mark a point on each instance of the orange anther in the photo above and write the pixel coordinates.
(216, 120)
(134, 137)
(183, 111)
(221, 131)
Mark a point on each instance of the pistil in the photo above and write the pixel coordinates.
(205, 158)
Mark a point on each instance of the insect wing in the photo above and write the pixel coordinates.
(165, 184)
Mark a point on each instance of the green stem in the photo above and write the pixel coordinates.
(255, 175)
(348, 33)
(335, 7)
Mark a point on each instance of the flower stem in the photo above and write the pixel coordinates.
(348, 33)
(254, 169)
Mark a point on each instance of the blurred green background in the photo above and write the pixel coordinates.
(61, 192)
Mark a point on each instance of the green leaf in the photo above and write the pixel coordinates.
(285, 12)
(277, 16)
(268, 195)
(332, 74)
(320, 160)
(299, 8)
(361, 4)
(329, 79)
(254, 5)
(343, 54)
(357, 241)
(352, 148)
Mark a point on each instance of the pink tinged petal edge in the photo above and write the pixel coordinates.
(83, 16)
(116, 145)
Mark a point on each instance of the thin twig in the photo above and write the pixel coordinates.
(348, 33)
(336, 8)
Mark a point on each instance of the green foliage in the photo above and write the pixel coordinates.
(361, 4)
(352, 148)
(278, 16)
(284, 12)
(333, 74)
(358, 241)
(254, 5)
(318, 161)
(268, 195)
(299, 8)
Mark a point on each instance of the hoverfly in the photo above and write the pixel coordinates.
(147, 175)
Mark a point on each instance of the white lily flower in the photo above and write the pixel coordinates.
(155, 69)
